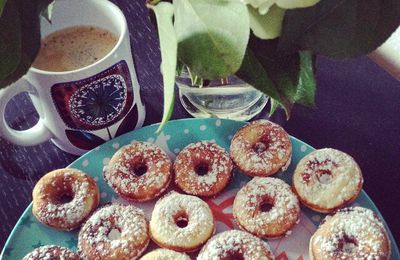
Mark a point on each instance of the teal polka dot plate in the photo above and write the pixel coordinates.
(29, 233)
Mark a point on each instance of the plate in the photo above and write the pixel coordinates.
(29, 233)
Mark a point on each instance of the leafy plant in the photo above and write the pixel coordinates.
(169, 47)
(213, 40)
(211, 44)
(19, 37)
(340, 28)
(264, 42)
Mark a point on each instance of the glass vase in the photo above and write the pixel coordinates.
(230, 98)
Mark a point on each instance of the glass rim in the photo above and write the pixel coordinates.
(225, 87)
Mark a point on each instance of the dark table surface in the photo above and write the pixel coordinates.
(358, 111)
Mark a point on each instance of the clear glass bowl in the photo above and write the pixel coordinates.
(235, 100)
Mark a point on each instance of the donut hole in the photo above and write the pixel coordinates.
(347, 244)
(63, 195)
(181, 220)
(114, 234)
(140, 169)
(201, 169)
(64, 198)
(324, 176)
(261, 146)
(266, 206)
(234, 255)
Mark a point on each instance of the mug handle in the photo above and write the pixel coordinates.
(37, 134)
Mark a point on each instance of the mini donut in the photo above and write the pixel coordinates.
(165, 254)
(352, 233)
(139, 171)
(203, 169)
(114, 232)
(266, 207)
(235, 244)
(181, 223)
(327, 179)
(64, 198)
(51, 252)
(261, 148)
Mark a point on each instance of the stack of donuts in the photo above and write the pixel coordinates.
(325, 181)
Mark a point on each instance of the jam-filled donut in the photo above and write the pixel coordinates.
(266, 207)
(51, 252)
(64, 198)
(235, 244)
(327, 179)
(203, 169)
(181, 222)
(165, 254)
(114, 232)
(352, 233)
(139, 171)
(261, 148)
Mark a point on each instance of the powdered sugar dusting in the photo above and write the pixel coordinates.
(352, 233)
(165, 254)
(72, 183)
(200, 222)
(51, 252)
(94, 237)
(248, 201)
(327, 178)
(261, 148)
(237, 243)
(121, 173)
(219, 168)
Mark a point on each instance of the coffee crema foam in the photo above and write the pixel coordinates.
(74, 48)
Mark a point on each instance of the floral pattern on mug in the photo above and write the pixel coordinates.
(96, 102)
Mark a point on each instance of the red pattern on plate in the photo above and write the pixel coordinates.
(282, 256)
(218, 211)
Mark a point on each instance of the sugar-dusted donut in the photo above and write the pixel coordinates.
(114, 232)
(266, 207)
(203, 169)
(327, 179)
(261, 148)
(64, 198)
(139, 171)
(352, 233)
(51, 252)
(235, 244)
(165, 254)
(181, 222)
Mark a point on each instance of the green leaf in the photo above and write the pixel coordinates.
(19, 38)
(294, 77)
(307, 85)
(168, 44)
(266, 26)
(48, 12)
(10, 41)
(2, 4)
(212, 35)
(340, 28)
(253, 72)
(290, 78)
(274, 106)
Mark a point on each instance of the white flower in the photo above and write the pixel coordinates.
(263, 6)
(266, 16)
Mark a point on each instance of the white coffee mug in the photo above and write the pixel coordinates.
(58, 96)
